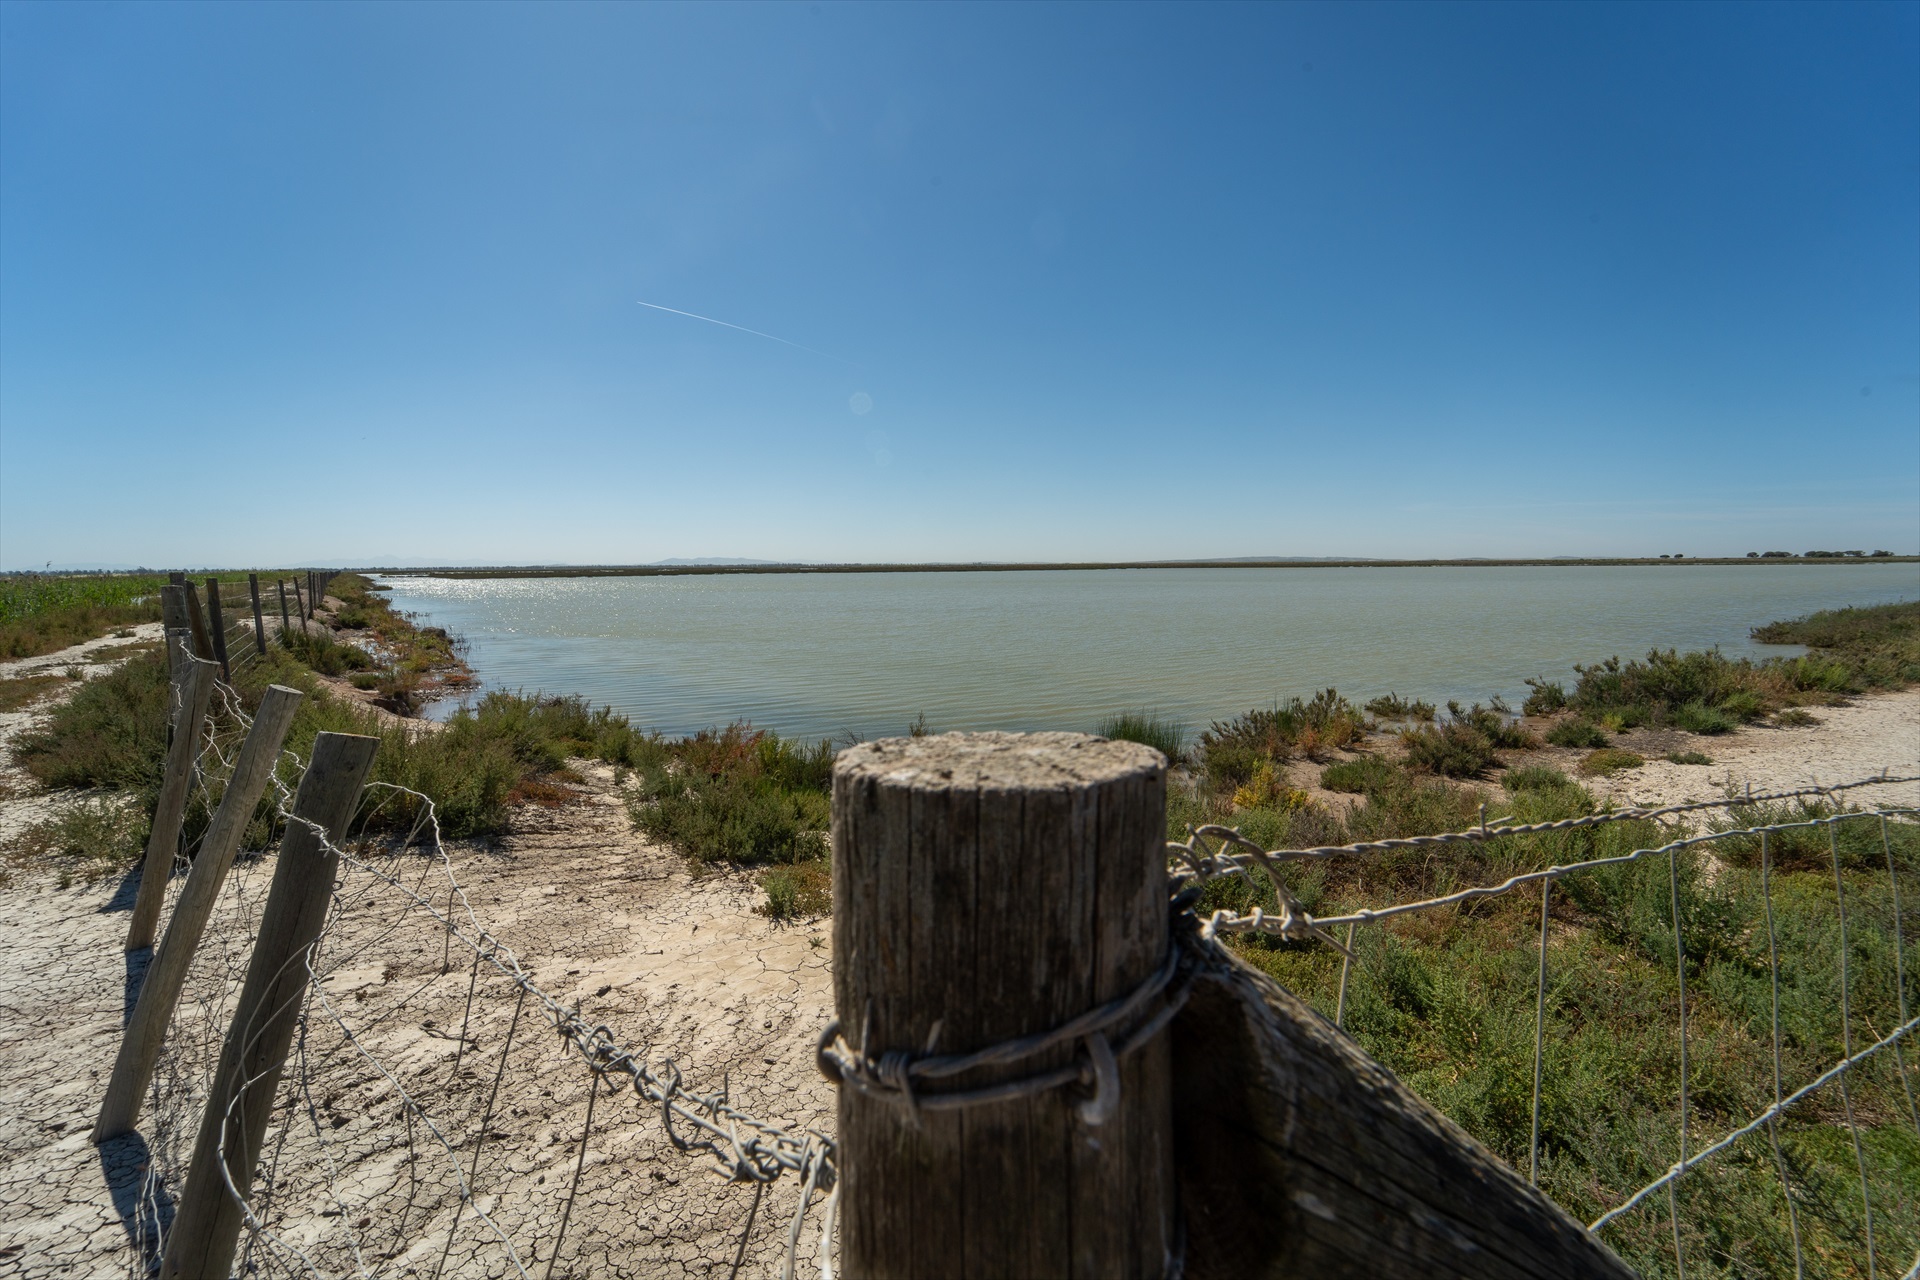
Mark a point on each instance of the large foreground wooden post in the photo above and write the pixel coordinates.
(192, 691)
(160, 989)
(987, 887)
(207, 1227)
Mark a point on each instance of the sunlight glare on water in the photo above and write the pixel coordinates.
(822, 655)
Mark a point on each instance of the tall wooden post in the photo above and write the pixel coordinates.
(202, 642)
(192, 691)
(280, 585)
(160, 989)
(217, 624)
(178, 628)
(988, 887)
(259, 623)
(206, 1228)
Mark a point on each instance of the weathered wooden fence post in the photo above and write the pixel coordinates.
(300, 606)
(177, 628)
(989, 887)
(280, 585)
(202, 642)
(1299, 1155)
(218, 625)
(160, 989)
(192, 691)
(259, 623)
(206, 1228)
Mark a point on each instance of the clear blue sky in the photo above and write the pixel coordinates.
(360, 283)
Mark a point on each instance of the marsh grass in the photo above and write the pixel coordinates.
(41, 613)
(1149, 728)
(1446, 999)
(17, 692)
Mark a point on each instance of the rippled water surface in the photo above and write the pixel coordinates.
(826, 654)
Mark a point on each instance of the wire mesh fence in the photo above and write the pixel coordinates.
(1702, 1041)
(442, 1113)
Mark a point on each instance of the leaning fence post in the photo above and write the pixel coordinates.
(202, 643)
(218, 625)
(259, 623)
(280, 585)
(192, 691)
(206, 1228)
(177, 628)
(160, 989)
(988, 887)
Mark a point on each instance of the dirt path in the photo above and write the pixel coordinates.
(679, 968)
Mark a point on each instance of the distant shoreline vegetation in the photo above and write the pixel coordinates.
(684, 570)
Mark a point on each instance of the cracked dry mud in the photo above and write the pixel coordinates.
(677, 966)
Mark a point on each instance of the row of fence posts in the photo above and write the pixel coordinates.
(207, 1224)
(208, 631)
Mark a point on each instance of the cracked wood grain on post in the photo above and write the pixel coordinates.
(987, 887)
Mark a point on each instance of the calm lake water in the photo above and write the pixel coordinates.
(826, 654)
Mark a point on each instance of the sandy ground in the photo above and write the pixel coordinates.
(1872, 735)
(678, 967)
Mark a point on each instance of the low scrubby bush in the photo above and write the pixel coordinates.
(1610, 760)
(1368, 773)
(738, 795)
(1394, 707)
(1232, 750)
(1577, 733)
(1535, 777)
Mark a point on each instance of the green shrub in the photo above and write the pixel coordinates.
(111, 733)
(1535, 777)
(1610, 760)
(802, 889)
(1367, 774)
(95, 837)
(738, 795)
(1795, 718)
(1232, 751)
(1576, 733)
(323, 653)
(1688, 757)
(1451, 749)
(1698, 717)
(1544, 697)
(1394, 707)
(1148, 728)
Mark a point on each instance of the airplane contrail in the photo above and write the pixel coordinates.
(743, 329)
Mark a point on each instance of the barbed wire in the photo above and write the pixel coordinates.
(387, 893)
